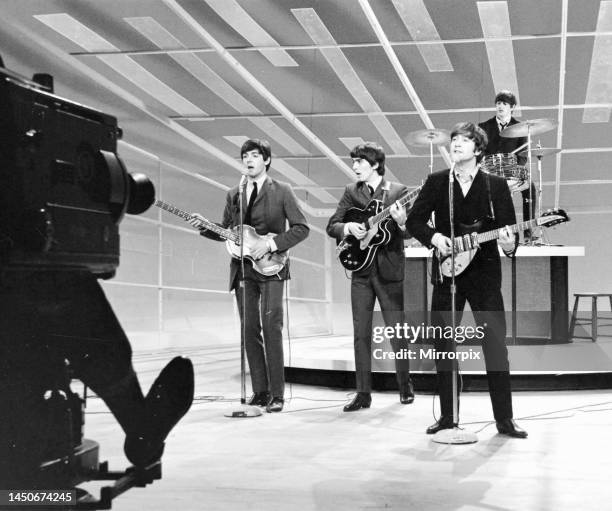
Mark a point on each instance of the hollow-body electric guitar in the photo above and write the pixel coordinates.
(356, 254)
(270, 264)
(467, 244)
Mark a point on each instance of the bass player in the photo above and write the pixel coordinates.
(384, 277)
(268, 206)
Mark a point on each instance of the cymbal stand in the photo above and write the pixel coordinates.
(430, 155)
(531, 237)
(542, 235)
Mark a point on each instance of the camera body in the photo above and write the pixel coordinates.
(63, 189)
(63, 193)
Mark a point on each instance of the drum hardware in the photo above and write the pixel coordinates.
(428, 138)
(528, 128)
(505, 165)
(540, 151)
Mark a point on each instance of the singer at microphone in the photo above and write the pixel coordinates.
(484, 198)
(263, 206)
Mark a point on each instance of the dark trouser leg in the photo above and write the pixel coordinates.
(101, 354)
(441, 317)
(362, 303)
(250, 321)
(490, 307)
(66, 314)
(391, 298)
(272, 321)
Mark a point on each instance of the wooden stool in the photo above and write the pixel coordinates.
(594, 317)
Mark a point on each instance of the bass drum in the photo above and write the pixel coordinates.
(506, 166)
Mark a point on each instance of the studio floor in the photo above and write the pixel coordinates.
(312, 456)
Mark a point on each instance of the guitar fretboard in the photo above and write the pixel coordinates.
(466, 242)
(211, 226)
(410, 196)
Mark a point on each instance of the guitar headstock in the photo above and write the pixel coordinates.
(553, 217)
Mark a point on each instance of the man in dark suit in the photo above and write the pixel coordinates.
(383, 279)
(505, 102)
(477, 196)
(268, 206)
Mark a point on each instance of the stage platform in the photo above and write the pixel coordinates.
(579, 364)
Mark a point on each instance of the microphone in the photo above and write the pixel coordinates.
(451, 176)
(242, 184)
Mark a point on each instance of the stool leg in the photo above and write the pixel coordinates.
(573, 320)
(594, 319)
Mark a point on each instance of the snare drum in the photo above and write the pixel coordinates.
(506, 166)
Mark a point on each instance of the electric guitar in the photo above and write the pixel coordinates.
(356, 254)
(270, 264)
(467, 244)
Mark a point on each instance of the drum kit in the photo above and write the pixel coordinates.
(503, 164)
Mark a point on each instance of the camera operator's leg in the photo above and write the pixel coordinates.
(68, 311)
(104, 363)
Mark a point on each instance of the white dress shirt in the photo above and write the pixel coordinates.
(249, 190)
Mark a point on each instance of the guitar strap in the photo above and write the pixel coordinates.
(491, 210)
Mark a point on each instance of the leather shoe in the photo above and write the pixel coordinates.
(275, 405)
(169, 398)
(510, 428)
(361, 400)
(444, 422)
(259, 399)
(407, 395)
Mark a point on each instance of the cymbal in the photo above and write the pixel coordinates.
(538, 152)
(426, 137)
(534, 126)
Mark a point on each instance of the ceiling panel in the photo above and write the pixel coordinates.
(306, 108)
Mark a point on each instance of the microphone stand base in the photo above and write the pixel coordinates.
(243, 411)
(454, 436)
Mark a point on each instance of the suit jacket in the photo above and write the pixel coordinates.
(475, 206)
(390, 258)
(275, 206)
(498, 144)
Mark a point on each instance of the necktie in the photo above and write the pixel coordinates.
(371, 190)
(247, 216)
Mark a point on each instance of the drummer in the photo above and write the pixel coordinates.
(505, 102)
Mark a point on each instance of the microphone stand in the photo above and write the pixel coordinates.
(455, 435)
(243, 410)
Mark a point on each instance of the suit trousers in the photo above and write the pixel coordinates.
(263, 314)
(488, 309)
(364, 291)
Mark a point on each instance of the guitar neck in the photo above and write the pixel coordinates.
(495, 233)
(202, 222)
(466, 242)
(409, 197)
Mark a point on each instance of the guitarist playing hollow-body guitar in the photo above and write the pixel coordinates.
(356, 254)
(383, 278)
(272, 210)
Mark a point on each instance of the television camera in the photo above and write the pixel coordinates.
(63, 194)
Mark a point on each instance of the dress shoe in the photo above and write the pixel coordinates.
(361, 400)
(407, 394)
(444, 422)
(510, 428)
(259, 399)
(169, 398)
(275, 405)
